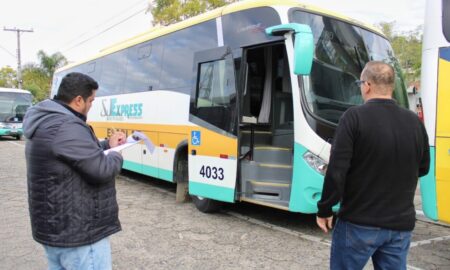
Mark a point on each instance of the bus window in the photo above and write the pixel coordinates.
(113, 74)
(144, 67)
(446, 19)
(215, 102)
(247, 27)
(179, 49)
(340, 56)
(93, 69)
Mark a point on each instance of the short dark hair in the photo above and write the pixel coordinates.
(76, 84)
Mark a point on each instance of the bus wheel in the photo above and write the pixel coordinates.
(18, 137)
(181, 177)
(206, 205)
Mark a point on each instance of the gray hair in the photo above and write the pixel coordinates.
(380, 74)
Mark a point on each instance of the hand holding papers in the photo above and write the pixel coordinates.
(132, 140)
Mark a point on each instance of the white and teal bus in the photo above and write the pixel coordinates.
(242, 102)
(435, 187)
(13, 105)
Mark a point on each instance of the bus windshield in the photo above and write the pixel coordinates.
(13, 106)
(341, 52)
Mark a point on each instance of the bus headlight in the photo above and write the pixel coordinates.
(315, 162)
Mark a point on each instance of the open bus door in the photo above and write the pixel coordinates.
(213, 144)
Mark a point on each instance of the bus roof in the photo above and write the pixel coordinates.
(14, 90)
(231, 8)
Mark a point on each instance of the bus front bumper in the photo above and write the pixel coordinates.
(11, 132)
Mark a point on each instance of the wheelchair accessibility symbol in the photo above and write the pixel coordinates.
(195, 137)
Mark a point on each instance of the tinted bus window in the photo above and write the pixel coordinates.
(179, 49)
(216, 96)
(446, 19)
(341, 52)
(248, 27)
(144, 67)
(113, 74)
(94, 70)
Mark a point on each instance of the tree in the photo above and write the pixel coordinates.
(49, 63)
(407, 47)
(387, 28)
(166, 12)
(8, 77)
(36, 80)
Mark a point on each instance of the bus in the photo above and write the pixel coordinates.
(241, 102)
(435, 187)
(13, 105)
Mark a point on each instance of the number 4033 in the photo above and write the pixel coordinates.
(212, 172)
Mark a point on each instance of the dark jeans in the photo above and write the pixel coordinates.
(354, 244)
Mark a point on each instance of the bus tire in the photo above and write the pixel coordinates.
(18, 137)
(181, 178)
(206, 205)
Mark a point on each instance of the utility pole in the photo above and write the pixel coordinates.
(19, 67)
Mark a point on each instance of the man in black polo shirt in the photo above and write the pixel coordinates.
(378, 153)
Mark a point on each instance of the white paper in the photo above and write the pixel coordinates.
(132, 140)
(148, 143)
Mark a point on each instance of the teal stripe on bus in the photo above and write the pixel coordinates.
(307, 184)
(5, 132)
(428, 189)
(212, 192)
(148, 170)
(166, 175)
(132, 166)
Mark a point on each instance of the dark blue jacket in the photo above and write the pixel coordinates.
(71, 183)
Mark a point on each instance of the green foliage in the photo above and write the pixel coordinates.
(166, 12)
(49, 63)
(36, 78)
(407, 47)
(37, 81)
(8, 77)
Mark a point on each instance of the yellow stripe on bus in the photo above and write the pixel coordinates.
(443, 142)
(212, 143)
(443, 98)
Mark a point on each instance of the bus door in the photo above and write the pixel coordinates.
(266, 127)
(213, 144)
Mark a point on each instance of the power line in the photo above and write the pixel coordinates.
(101, 24)
(105, 30)
(7, 51)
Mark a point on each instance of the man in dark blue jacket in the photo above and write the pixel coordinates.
(378, 153)
(71, 182)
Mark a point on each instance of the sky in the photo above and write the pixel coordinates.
(79, 29)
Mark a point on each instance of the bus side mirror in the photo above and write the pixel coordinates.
(303, 45)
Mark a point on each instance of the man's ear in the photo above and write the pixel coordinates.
(79, 99)
(77, 102)
(367, 89)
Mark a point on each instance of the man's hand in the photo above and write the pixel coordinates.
(325, 223)
(116, 139)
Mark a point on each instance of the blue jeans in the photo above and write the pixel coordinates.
(353, 245)
(96, 256)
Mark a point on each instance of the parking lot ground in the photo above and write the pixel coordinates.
(161, 234)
